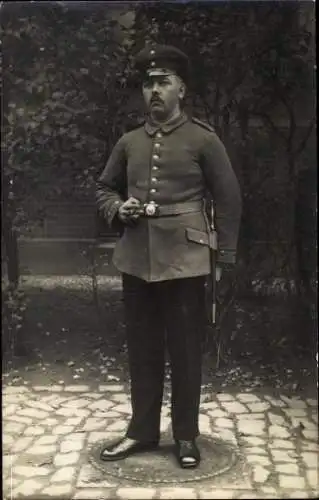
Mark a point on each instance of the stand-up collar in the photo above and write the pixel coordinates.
(151, 128)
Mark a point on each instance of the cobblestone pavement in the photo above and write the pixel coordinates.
(47, 432)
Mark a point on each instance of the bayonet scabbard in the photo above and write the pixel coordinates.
(212, 255)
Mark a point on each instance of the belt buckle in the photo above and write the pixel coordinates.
(151, 209)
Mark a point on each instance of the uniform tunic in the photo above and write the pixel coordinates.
(172, 164)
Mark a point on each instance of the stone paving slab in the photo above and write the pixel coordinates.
(47, 432)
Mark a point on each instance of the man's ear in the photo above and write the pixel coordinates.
(182, 90)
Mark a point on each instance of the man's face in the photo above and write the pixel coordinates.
(162, 95)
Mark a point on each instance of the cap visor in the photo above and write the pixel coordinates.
(160, 72)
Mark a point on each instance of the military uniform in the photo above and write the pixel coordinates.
(165, 258)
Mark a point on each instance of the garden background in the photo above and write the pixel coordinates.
(69, 92)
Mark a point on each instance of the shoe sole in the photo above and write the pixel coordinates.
(122, 457)
(189, 465)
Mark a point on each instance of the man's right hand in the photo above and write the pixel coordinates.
(128, 213)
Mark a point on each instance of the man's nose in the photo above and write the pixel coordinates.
(155, 87)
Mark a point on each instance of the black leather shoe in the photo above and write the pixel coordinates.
(126, 447)
(188, 454)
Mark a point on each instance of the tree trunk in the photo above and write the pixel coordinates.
(245, 282)
(11, 253)
(10, 238)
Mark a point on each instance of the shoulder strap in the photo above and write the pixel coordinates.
(203, 124)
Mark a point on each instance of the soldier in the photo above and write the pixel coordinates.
(153, 189)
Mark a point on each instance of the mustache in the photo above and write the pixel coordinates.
(156, 99)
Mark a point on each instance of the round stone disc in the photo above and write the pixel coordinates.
(161, 465)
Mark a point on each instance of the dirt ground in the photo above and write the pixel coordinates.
(266, 343)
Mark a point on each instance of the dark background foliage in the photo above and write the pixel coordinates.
(69, 92)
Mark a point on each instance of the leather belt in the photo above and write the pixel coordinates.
(154, 210)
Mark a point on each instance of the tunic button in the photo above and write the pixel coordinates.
(159, 134)
(152, 52)
(153, 191)
(157, 144)
(154, 179)
(155, 157)
(155, 167)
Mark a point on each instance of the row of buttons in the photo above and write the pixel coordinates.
(155, 158)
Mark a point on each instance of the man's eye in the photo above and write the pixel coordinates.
(150, 83)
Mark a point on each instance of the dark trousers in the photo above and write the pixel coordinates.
(158, 315)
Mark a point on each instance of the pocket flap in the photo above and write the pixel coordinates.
(202, 238)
